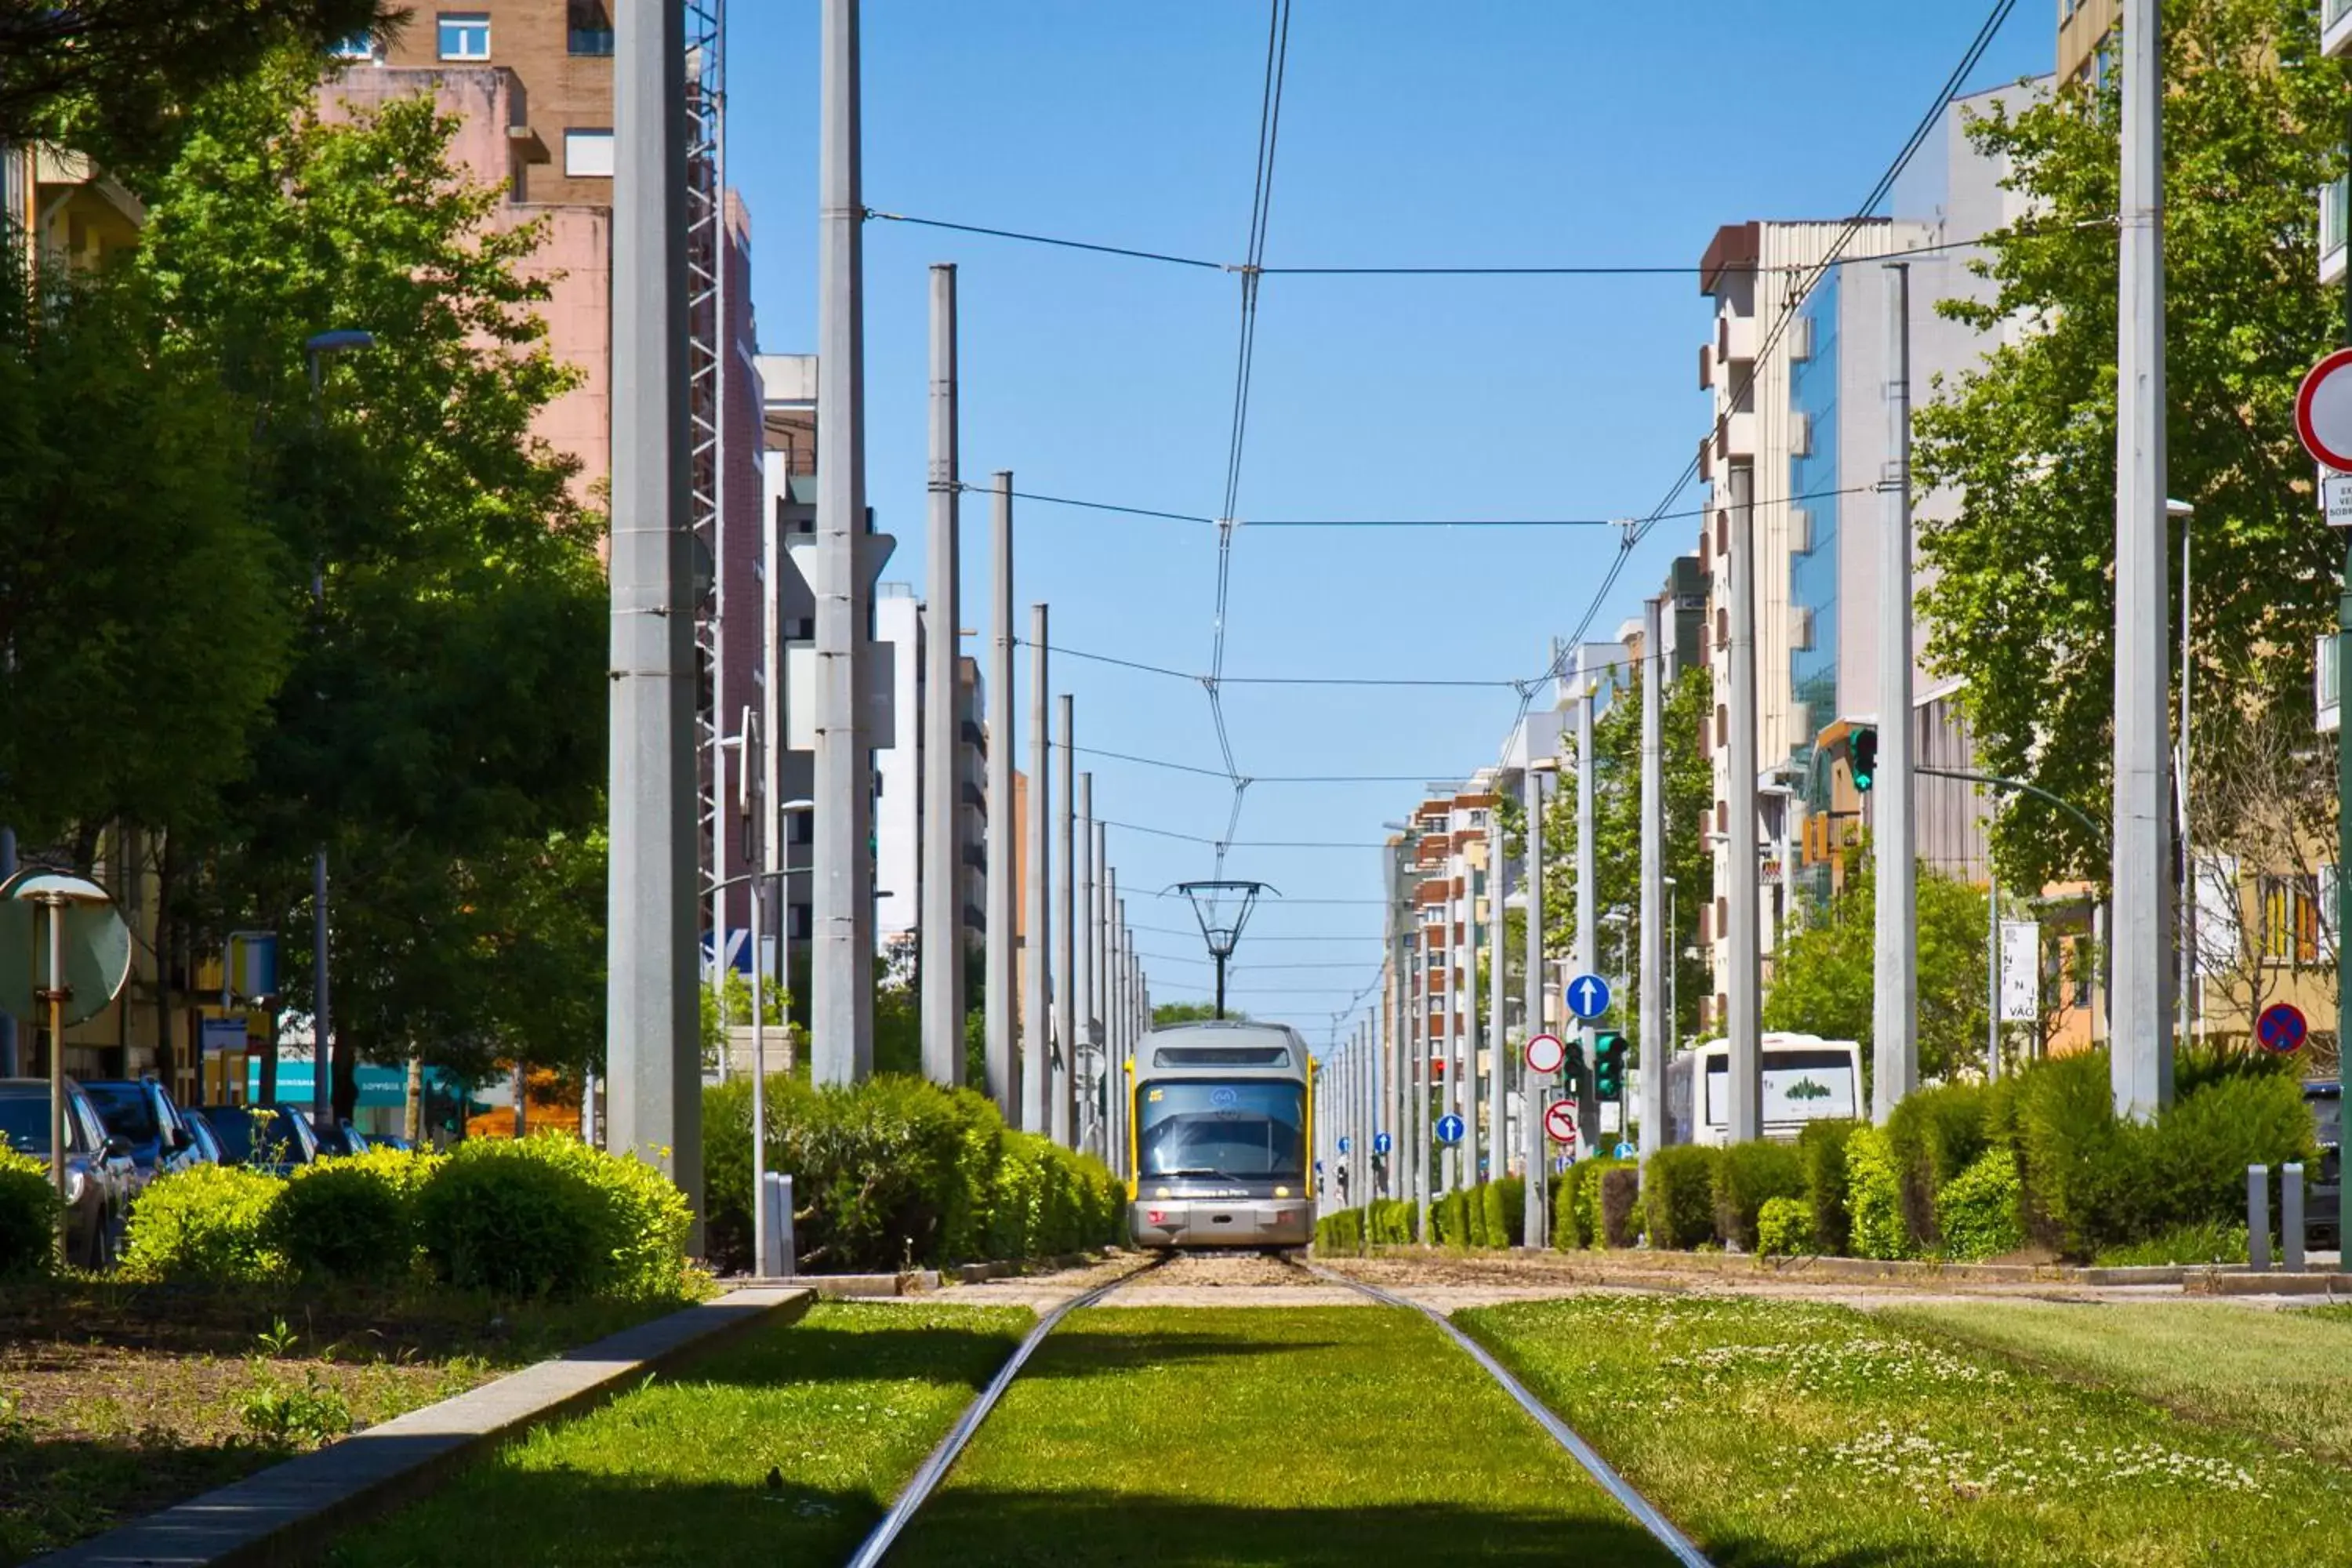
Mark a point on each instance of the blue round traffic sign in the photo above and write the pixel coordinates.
(1587, 996)
(1382, 1142)
(1626, 1151)
(1450, 1129)
(1346, 1144)
(2282, 1029)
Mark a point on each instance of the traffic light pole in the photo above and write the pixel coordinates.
(1656, 1030)
(1532, 1084)
(1588, 1094)
(1895, 1007)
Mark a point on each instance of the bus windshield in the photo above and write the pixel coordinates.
(1245, 1130)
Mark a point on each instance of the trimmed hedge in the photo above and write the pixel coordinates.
(1747, 1177)
(549, 1216)
(1820, 1147)
(1784, 1228)
(1873, 1197)
(351, 1218)
(207, 1225)
(28, 1215)
(1623, 1223)
(1678, 1196)
(1979, 1213)
(1934, 1134)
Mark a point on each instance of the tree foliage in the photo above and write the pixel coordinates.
(2022, 601)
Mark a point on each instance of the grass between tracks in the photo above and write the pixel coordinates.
(1816, 1435)
(1325, 1436)
(785, 1448)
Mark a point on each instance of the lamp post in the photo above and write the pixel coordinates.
(765, 879)
(1673, 1037)
(315, 350)
(2185, 512)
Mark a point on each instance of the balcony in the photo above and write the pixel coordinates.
(2336, 26)
(2328, 681)
(1734, 339)
(2333, 215)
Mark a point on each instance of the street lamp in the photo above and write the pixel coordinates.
(761, 880)
(315, 350)
(1673, 969)
(2184, 512)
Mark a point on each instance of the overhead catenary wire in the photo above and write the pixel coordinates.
(1506, 522)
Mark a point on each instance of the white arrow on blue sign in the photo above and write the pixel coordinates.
(1449, 1129)
(1345, 1145)
(1587, 996)
(1381, 1143)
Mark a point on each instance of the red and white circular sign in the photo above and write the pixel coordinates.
(2323, 411)
(1560, 1120)
(1545, 1054)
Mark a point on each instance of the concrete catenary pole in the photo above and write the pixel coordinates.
(1475, 1139)
(1084, 1056)
(1112, 997)
(1532, 1085)
(1657, 1032)
(1744, 1012)
(1895, 835)
(1062, 1111)
(1417, 1099)
(1038, 995)
(1451, 1097)
(841, 984)
(2140, 1059)
(942, 947)
(1499, 1147)
(1000, 1016)
(653, 1051)
(1587, 907)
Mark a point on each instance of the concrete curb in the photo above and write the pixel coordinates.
(290, 1513)
(2269, 1282)
(1633, 1262)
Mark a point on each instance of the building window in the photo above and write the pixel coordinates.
(358, 47)
(589, 29)
(588, 154)
(465, 34)
(2290, 920)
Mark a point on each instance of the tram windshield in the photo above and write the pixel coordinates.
(1247, 1129)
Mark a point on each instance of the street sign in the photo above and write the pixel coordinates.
(2020, 972)
(218, 1034)
(1346, 1144)
(1626, 1151)
(2282, 1029)
(2323, 411)
(97, 945)
(1382, 1144)
(1545, 1054)
(1449, 1130)
(1587, 996)
(1560, 1121)
(2336, 498)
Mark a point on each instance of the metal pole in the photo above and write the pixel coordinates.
(55, 995)
(2343, 830)
(1894, 1007)
(1588, 1098)
(1498, 1075)
(1657, 1032)
(321, 1011)
(2140, 1049)
(941, 946)
(1992, 972)
(1532, 1084)
(2182, 778)
(1110, 996)
(1064, 1109)
(1037, 997)
(759, 1084)
(1465, 1094)
(1451, 1095)
(1082, 972)
(1419, 1099)
(1744, 998)
(653, 1052)
(10, 1054)
(997, 995)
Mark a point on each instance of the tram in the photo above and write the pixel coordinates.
(1221, 1120)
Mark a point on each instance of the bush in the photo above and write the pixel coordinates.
(2206, 1141)
(1820, 1149)
(351, 1218)
(1622, 1220)
(1571, 1228)
(2207, 1243)
(1394, 1222)
(1340, 1232)
(1678, 1196)
(1873, 1197)
(1977, 1211)
(1934, 1134)
(206, 1225)
(1747, 1176)
(549, 1216)
(1475, 1214)
(1507, 1221)
(1784, 1228)
(28, 1215)
(1449, 1217)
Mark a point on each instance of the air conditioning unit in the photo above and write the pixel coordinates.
(1801, 530)
(1800, 338)
(1800, 434)
(1800, 629)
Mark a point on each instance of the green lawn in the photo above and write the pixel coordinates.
(1238, 1435)
(2281, 1375)
(784, 1449)
(1805, 1435)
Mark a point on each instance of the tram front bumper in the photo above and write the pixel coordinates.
(1228, 1222)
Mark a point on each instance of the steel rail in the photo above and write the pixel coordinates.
(1646, 1513)
(934, 1469)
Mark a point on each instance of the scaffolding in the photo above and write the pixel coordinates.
(707, 326)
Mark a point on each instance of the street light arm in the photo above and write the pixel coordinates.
(2020, 784)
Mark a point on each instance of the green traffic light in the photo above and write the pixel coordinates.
(1861, 759)
(1608, 1065)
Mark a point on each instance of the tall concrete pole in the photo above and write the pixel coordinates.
(1417, 1100)
(1400, 1056)
(1475, 1139)
(1657, 1030)
(1500, 1146)
(1532, 1085)
(1588, 912)
(1082, 964)
(1111, 996)
(1098, 965)
(2140, 1055)
(1451, 1099)
(1744, 993)
(653, 1041)
(997, 993)
(1895, 835)
(1062, 1113)
(942, 947)
(1037, 997)
(841, 986)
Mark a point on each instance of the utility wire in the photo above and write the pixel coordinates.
(1415, 522)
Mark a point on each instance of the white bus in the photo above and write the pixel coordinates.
(1806, 1078)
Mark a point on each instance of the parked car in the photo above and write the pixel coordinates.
(141, 1110)
(2323, 1218)
(338, 1138)
(273, 1138)
(208, 1144)
(392, 1140)
(100, 1177)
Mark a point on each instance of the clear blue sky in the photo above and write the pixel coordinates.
(1412, 133)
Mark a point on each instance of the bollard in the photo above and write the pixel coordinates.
(777, 1264)
(2258, 1216)
(2291, 1217)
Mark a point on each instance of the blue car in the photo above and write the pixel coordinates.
(99, 1176)
(140, 1110)
(273, 1138)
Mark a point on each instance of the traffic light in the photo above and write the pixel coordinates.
(1608, 1065)
(1861, 759)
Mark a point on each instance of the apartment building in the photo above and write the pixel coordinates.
(2086, 38)
(904, 621)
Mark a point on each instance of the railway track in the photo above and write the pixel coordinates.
(1241, 1274)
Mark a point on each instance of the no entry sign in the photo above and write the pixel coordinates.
(1547, 1054)
(2323, 411)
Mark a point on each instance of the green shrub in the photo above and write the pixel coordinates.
(2207, 1243)
(1934, 1133)
(1449, 1217)
(2196, 1067)
(1821, 1149)
(1623, 1223)
(1678, 1196)
(1784, 1228)
(1474, 1216)
(1567, 1228)
(1394, 1222)
(206, 1225)
(1746, 1176)
(28, 1215)
(2205, 1142)
(351, 1218)
(1873, 1197)
(1340, 1232)
(1506, 1219)
(551, 1216)
(1979, 1213)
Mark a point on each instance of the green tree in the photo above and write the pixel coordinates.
(2021, 599)
(1166, 1012)
(1823, 978)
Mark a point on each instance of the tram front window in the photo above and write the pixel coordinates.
(1250, 1130)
